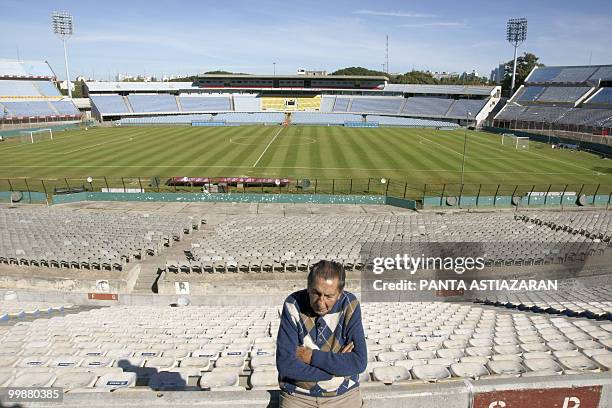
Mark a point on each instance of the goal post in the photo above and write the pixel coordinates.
(33, 136)
(522, 143)
(515, 142)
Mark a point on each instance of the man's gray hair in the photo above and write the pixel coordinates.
(327, 270)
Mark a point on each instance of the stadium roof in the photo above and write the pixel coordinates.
(96, 86)
(304, 76)
(440, 89)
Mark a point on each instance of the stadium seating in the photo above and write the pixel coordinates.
(603, 73)
(247, 103)
(25, 69)
(46, 88)
(10, 310)
(595, 303)
(424, 106)
(205, 103)
(165, 120)
(542, 114)
(585, 117)
(107, 104)
(314, 118)
(65, 108)
(341, 104)
(410, 122)
(12, 88)
(327, 103)
(30, 89)
(462, 107)
(565, 75)
(562, 94)
(249, 243)
(29, 109)
(288, 103)
(256, 117)
(603, 97)
(429, 341)
(153, 103)
(389, 105)
(65, 239)
(528, 94)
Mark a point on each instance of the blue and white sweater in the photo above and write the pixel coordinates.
(329, 373)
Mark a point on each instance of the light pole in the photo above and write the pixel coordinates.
(274, 65)
(62, 27)
(467, 116)
(516, 34)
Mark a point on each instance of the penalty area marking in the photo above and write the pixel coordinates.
(69, 151)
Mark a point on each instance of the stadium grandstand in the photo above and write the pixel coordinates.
(365, 96)
(563, 98)
(28, 94)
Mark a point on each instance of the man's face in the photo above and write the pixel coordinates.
(323, 294)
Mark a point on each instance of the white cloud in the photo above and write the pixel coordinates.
(392, 14)
(451, 24)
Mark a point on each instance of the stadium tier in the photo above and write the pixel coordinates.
(153, 103)
(73, 240)
(211, 94)
(602, 97)
(25, 69)
(19, 88)
(564, 97)
(233, 349)
(109, 104)
(424, 106)
(569, 75)
(297, 118)
(42, 109)
(376, 105)
(273, 246)
(30, 94)
(200, 104)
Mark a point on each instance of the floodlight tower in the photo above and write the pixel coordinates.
(516, 34)
(62, 27)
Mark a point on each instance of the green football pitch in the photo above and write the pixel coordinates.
(412, 156)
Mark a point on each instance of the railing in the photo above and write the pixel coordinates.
(357, 186)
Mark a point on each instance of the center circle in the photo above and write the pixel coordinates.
(238, 140)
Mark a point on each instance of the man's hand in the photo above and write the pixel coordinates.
(347, 348)
(304, 354)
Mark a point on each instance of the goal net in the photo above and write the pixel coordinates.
(33, 136)
(515, 142)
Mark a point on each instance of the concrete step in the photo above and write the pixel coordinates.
(151, 268)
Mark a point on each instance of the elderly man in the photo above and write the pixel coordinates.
(321, 348)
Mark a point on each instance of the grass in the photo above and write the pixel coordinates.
(412, 157)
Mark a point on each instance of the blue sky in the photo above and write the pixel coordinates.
(188, 37)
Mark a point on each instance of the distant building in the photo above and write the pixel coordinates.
(63, 86)
(498, 74)
(302, 71)
(443, 74)
(471, 75)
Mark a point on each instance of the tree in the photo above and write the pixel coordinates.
(524, 65)
(359, 71)
(415, 77)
